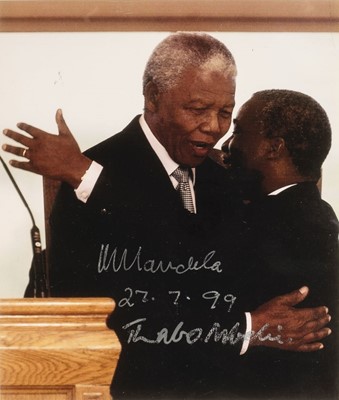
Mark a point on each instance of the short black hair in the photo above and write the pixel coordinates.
(303, 124)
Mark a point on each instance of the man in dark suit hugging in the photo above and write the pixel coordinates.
(279, 143)
(140, 229)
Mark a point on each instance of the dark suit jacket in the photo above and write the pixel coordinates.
(293, 242)
(134, 242)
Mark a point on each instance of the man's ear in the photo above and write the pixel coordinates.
(277, 147)
(151, 94)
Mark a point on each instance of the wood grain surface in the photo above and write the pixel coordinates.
(56, 349)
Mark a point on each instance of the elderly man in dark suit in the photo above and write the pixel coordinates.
(280, 141)
(140, 228)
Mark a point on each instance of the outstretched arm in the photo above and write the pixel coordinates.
(279, 324)
(54, 156)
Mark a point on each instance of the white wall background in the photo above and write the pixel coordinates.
(96, 79)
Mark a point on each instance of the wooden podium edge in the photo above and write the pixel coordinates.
(56, 343)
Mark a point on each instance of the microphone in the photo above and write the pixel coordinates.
(41, 288)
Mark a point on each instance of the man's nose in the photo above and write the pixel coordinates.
(211, 124)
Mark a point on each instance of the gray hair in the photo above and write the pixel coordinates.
(303, 124)
(181, 50)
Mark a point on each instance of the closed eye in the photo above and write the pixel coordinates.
(225, 114)
(198, 110)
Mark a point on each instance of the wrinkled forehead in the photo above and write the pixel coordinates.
(208, 77)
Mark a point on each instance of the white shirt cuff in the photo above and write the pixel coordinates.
(248, 333)
(88, 181)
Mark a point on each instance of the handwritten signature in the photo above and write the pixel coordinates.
(215, 334)
(123, 261)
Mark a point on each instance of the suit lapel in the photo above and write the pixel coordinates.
(150, 171)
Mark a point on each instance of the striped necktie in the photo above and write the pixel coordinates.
(181, 174)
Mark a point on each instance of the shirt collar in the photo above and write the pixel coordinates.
(169, 165)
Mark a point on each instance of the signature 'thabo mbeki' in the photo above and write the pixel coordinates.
(197, 334)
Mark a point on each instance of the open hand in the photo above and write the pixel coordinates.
(54, 156)
(290, 328)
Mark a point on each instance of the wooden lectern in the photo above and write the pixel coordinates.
(56, 349)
